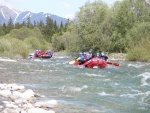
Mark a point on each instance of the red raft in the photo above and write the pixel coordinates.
(41, 54)
(94, 62)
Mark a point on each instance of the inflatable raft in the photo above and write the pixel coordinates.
(94, 62)
(41, 54)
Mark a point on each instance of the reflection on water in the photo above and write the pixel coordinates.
(123, 89)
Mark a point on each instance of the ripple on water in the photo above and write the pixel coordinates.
(145, 80)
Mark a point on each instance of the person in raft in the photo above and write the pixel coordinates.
(102, 55)
(90, 54)
(82, 58)
(50, 53)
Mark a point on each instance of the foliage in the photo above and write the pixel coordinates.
(102, 28)
(33, 42)
(138, 33)
(140, 52)
(139, 42)
(86, 26)
(20, 42)
(57, 43)
(13, 48)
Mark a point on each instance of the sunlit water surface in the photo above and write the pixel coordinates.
(123, 89)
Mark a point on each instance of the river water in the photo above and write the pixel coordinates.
(123, 89)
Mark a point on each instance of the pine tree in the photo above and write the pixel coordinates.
(10, 25)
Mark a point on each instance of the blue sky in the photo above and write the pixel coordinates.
(63, 8)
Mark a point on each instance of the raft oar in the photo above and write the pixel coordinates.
(71, 62)
(112, 63)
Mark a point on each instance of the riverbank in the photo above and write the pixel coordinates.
(111, 56)
(117, 56)
(16, 99)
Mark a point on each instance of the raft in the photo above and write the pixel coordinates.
(46, 56)
(94, 62)
(40, 54)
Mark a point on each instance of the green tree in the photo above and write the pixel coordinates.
(10, 25)
(123, 20)
(41, 26)
(1, 30)
(17, 25)
(87, 25)
(142, 10)
(29, 24)
(48, 31)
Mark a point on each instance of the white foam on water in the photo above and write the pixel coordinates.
(92, 75)
(105, 94)
(107, 80)
(21, 72)
(145, 77)
(37, 60)
(145, 96)
(78, 89)
(2, 68)
(39, 70)
(135, 65)
(61, 57)
(142, 96)
(131, 95)
(7, 60)
(73, 88)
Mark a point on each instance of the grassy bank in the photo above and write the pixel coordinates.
(19, 43)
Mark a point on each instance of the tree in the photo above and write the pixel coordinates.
(17, 25)
(126, 15)
(1, 30)
(87, 25)
(29, 24)
(10, 25)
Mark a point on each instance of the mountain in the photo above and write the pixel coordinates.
(18, 16)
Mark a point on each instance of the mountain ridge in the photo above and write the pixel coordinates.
(19, 16)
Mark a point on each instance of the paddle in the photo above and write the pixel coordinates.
(112, 63)
(71, 62)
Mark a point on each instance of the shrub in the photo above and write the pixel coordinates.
(21, 34)
(13, 48)
(33, 42)
(5, 46)
(140, 52)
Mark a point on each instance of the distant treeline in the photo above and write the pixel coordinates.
(48, 29)
(123, 27)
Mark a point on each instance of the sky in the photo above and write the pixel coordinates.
(63, 8)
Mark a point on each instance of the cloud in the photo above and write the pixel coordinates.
(69, 16)
(15, 1)
(10, 2)
(2, 1)
(67, 5)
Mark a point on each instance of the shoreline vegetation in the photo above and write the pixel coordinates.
(117, 56)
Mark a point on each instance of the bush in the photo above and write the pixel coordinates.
(139, 42)
(13, 48)
(140, 52)
(45, 45)
(5, 46)
(20, 34)
(33, 42)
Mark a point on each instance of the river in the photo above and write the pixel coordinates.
(123, 89)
